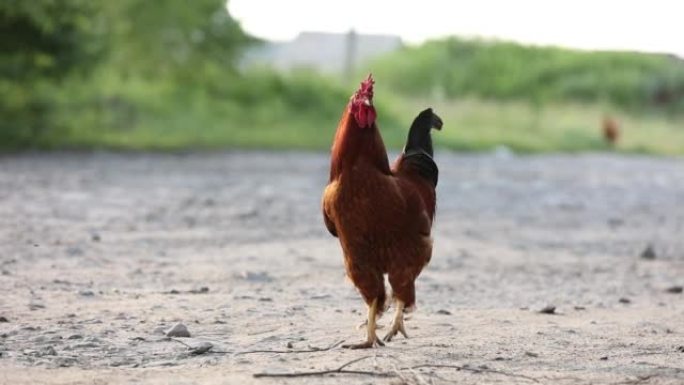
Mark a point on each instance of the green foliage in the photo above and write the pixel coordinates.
(48, 38)
(475, 124)
(164, 75)
(178, 38)
(41, 44)
(507, 71)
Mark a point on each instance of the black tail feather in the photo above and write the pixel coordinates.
(418, 151)
(419, 138)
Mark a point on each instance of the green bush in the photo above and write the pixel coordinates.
(454, 68)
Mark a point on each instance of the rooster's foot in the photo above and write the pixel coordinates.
(397, 324)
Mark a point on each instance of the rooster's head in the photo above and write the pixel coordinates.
(361, 104)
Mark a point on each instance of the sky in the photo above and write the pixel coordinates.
(649, 26)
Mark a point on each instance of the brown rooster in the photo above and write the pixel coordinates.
(611, 130)
(381, 215)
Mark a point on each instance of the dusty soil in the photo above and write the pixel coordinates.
(100, 252)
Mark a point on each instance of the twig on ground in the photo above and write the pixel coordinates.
(474, 370)
(395, 373)
(310, 350)
(339, 370)
(637, 380)
(179, 341)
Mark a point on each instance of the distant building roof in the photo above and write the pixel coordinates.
(326, 52)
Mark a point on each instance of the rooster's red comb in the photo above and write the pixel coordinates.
(367, 86)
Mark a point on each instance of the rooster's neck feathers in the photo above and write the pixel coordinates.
(353, 143)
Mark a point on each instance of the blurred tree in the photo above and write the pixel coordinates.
(47, 47)
(180, 38)
(41, 42)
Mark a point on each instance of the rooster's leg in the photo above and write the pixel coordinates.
(397, 323)
(372, 338)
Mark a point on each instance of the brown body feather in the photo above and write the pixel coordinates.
(381, 216)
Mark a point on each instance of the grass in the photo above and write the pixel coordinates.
(470, 125)
(473, 124)
(302, 112)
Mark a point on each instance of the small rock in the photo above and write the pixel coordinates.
(122, 316)
(3, 319)
(74, 251)
(177, 330)
(579, 308)
(255, 277)
(201, 290)
(39, 339)
(75, 337)
(531, 354)
(648, 253)
(675, 289)
(95, 237)
(604, 358)
(289, 345)
(680, 349)
(36, 306)
(548, 309)
(444, 312)
(86, 293)
(202, 348)
(625, 300)
(49, 351)
(265, 299)
(64, 362)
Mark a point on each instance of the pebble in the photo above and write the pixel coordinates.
(75, 337)
(444, 312)
(625, 300)
(177, 330)
(201, 290)
(36, 306)
(648, 253)
(202, 348)
(255, 277)
(49, 351)
(86, 293)
(548, 309)
(3, 319)
(675, 289)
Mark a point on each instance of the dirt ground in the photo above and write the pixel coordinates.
(99, 253)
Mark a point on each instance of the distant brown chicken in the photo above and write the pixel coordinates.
(611, 130)
(382, 215)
